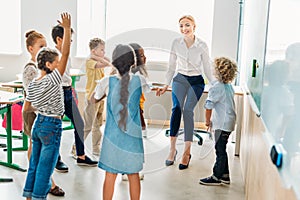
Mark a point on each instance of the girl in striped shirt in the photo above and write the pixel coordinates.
(46, 97)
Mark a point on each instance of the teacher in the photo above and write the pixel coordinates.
(189, 59)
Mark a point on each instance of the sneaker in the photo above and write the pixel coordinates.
(141, 176)
(86, 162)
(225, 179)
(61, 167)
(212, 180)
(57, 191)
(144, 133)
(125, 177)
(73, 152)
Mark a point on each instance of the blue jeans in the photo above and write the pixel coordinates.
(46, 136)
(186, 92)
(72, 112)
(221, 165)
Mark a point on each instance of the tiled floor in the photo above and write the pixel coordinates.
(160, 183)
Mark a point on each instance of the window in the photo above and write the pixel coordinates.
(10, 20)
(153, 23)
(91, 17)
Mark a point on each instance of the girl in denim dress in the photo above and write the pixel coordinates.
(122, 148)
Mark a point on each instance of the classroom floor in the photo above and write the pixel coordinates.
(160, 182)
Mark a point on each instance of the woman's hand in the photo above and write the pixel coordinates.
(161, 91)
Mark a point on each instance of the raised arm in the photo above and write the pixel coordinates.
(65, 50)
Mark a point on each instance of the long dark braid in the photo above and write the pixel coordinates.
(123, 59)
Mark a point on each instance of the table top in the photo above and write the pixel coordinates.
(76, 72)
(10, 97)
(13, 84)
(237, 89)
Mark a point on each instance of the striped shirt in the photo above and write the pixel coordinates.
(46, 94)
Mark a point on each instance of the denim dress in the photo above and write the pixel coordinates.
(122, 151)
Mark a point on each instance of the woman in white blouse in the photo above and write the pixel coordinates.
(189, 59)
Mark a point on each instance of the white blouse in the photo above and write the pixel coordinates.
(192, 61)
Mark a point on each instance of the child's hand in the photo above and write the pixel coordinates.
(208, 124)
(101, 62)
(95, 57)
(161, 91)
(65, 20)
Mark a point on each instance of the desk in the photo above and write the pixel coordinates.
(17, 84)
(159, 109)
(7, 99)
(75, 75)
(3, 145)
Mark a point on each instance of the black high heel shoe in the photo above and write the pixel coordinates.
(171, 162)
(182, 166)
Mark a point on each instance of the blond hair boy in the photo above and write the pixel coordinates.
(93, 118)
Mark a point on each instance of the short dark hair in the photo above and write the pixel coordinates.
(58, 31)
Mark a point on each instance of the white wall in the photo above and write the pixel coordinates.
(42, 15)
(225, 29)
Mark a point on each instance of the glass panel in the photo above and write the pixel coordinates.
(280, 103)
(253, 48)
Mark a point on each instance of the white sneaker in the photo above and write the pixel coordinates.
(125, 177)
(73, 152)
(144, 133)
(141, 176)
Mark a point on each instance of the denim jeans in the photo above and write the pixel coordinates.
(72, 112)
(46, 136)
(186, 92)
(221, 165)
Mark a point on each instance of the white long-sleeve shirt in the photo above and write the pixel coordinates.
(192, 61)
(66, 78)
